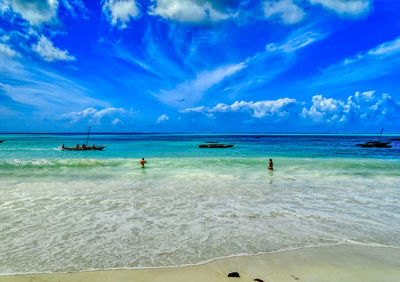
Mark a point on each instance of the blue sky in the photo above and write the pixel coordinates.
(199, 66)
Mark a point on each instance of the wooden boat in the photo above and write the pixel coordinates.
(375, 144)
(84, 147)
(215, 145)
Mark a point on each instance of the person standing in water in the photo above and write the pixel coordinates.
(270, 165)
(142, 162)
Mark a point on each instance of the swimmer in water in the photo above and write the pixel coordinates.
(270, 165)
(142, 162)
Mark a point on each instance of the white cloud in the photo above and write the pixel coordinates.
(5, 50)
(373, 63)
(387, 48)
(296, 41)
(162, 118)
(120, 12)
(116, 121)
(258, 109)
(192, 91)
(360, 108)
(45, 48)
(95, 115)
(286, 10)
(345, 7)
(365, 106)
(326, 109)
(191, 11)
(35, 12)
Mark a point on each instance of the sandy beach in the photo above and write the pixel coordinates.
(336, 263)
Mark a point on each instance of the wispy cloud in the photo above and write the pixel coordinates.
(95, 116)
(7, 51)
(376, 62)
(297, 40)
(45, 48)
(192, 91)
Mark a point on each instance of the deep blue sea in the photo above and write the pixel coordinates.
(69, 211)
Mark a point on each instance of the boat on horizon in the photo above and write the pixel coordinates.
(85, 146)
(213, 145)
(375, 144)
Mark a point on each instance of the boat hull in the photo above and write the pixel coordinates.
(97, 148)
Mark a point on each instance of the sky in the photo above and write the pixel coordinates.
(200, 66)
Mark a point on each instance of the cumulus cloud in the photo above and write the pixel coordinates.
(191, 11)
(365, 106)
(120, 12)
(286, 10)
(162, 118)
(35, 12)
(345, 7)
(360, 108)
(45, 48)
(258, 109)
(95, 116)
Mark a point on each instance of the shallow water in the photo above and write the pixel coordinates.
(69, 211)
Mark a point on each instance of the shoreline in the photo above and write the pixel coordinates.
(345, 262)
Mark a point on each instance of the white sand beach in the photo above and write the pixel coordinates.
(336, 263)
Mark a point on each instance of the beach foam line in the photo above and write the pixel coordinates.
(334, 263)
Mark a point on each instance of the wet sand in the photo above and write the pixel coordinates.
(337, 263)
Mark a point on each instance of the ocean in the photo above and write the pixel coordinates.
(72, 211)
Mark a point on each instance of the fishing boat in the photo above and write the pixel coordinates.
(375, 144)
(215, 145)
(85, 146)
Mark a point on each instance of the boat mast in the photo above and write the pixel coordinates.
(87, 139)
(380, 135)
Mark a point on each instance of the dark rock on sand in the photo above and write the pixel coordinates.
(258, 280)
(233, 274)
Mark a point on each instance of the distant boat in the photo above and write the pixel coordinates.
(375, 144)
(84, 147)
(215, 145)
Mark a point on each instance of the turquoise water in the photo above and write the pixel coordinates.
(70, 211)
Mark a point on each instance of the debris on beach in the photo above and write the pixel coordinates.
(234, 274)
(294, 277)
